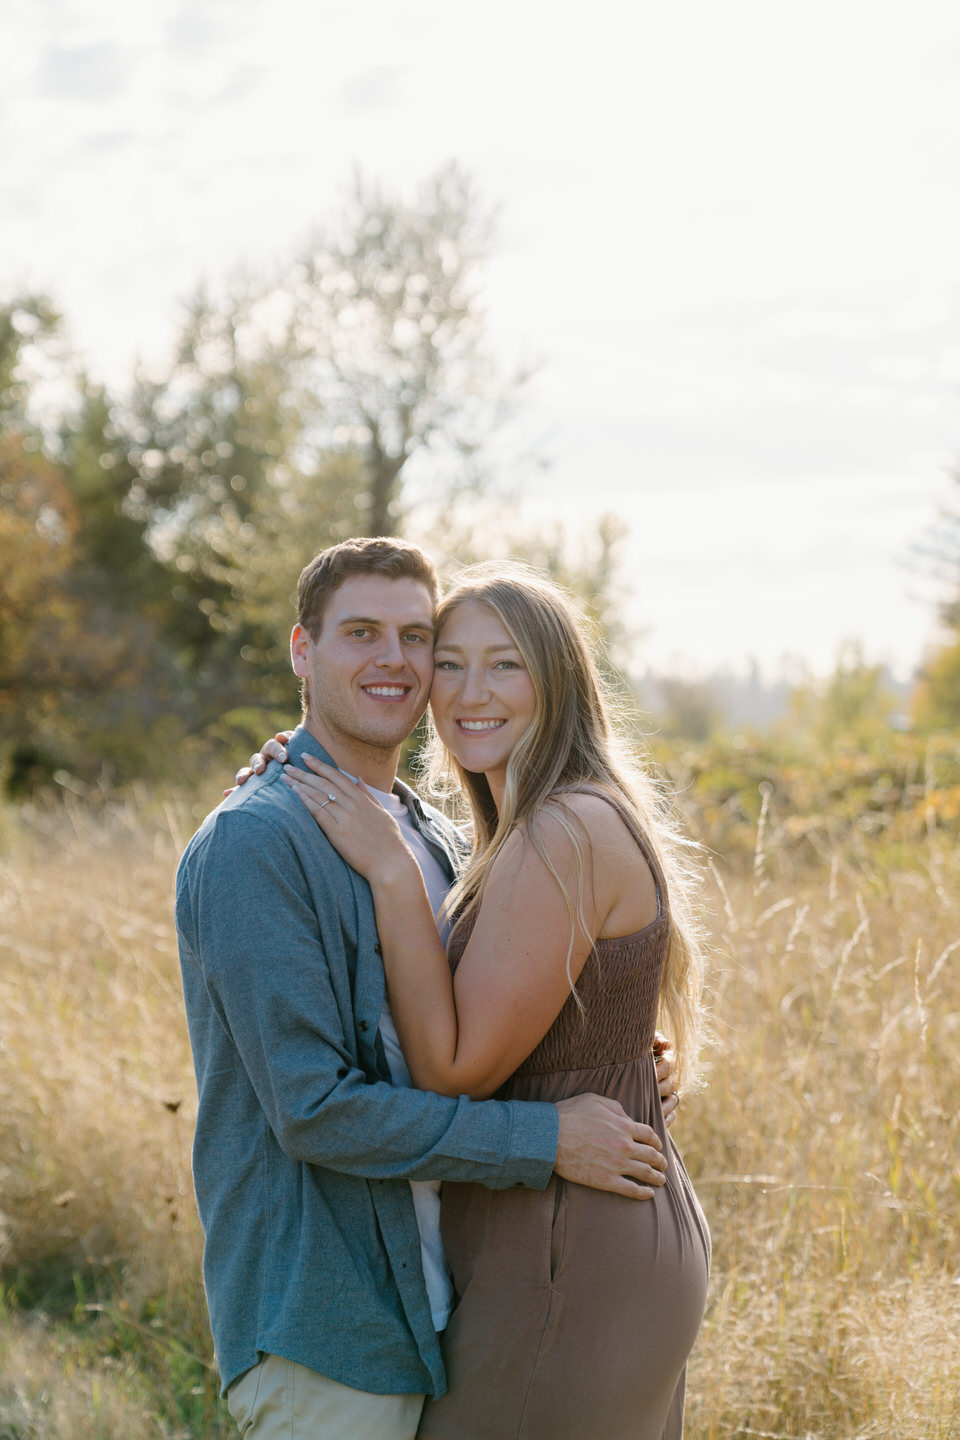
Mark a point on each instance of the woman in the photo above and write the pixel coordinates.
(572, 929)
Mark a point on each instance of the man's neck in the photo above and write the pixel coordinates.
(369, 763)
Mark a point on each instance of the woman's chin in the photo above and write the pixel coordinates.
(468, 763)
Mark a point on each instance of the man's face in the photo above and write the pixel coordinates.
(370, 669)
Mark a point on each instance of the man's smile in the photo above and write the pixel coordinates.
(387, 692)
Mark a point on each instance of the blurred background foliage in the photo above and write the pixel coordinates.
(150, 540)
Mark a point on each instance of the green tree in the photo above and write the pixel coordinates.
(294, 405)
(233, 497)
(118, 565)
(84, 675)
(388, 317)
(30, 327)
(39, 619)
(74, 428)
(62, 662)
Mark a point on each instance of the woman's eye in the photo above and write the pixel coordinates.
(445, 665)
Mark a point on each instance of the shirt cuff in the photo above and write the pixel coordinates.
(534, 1136)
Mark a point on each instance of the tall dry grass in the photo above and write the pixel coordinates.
(104, 1325)
(824, 1148)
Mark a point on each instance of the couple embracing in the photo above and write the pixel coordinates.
(379, 1006)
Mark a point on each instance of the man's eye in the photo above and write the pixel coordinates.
(415, 638)
(360, 633)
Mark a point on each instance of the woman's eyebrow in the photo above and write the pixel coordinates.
(444, 645)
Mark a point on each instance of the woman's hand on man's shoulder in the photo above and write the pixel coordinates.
(273, 749)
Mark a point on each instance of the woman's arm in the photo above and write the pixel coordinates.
(466, 1035)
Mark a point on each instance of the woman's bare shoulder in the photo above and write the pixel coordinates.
(626, 892)
(601, 818)
(570, 829)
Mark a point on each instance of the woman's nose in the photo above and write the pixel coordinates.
(475, 687)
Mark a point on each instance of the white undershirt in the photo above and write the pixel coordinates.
(426, 1193)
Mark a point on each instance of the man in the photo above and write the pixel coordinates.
(307, 1137)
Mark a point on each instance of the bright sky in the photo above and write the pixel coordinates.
(730, 233)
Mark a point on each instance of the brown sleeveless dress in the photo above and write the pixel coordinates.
(577, 1308)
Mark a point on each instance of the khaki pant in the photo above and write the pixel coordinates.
(281, 1400)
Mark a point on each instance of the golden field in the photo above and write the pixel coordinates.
(823, 1147)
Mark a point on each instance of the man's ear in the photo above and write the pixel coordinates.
(299, 644)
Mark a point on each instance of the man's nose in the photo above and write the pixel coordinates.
(390, 652)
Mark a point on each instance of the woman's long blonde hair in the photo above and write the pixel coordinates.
(571, 744)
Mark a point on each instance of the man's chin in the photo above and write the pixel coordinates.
(384, 731)
(388, 733)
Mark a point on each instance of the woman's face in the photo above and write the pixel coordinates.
(482, 697)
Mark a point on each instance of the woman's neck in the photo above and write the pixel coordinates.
(497, 781)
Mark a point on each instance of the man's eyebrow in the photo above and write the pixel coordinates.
(379, 620)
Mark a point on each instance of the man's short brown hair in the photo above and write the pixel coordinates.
(380, 555)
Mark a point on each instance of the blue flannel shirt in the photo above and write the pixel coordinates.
(303, 1147)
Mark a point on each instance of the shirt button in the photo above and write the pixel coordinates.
(378, 948)
(342, 1073)
(363, 1025)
